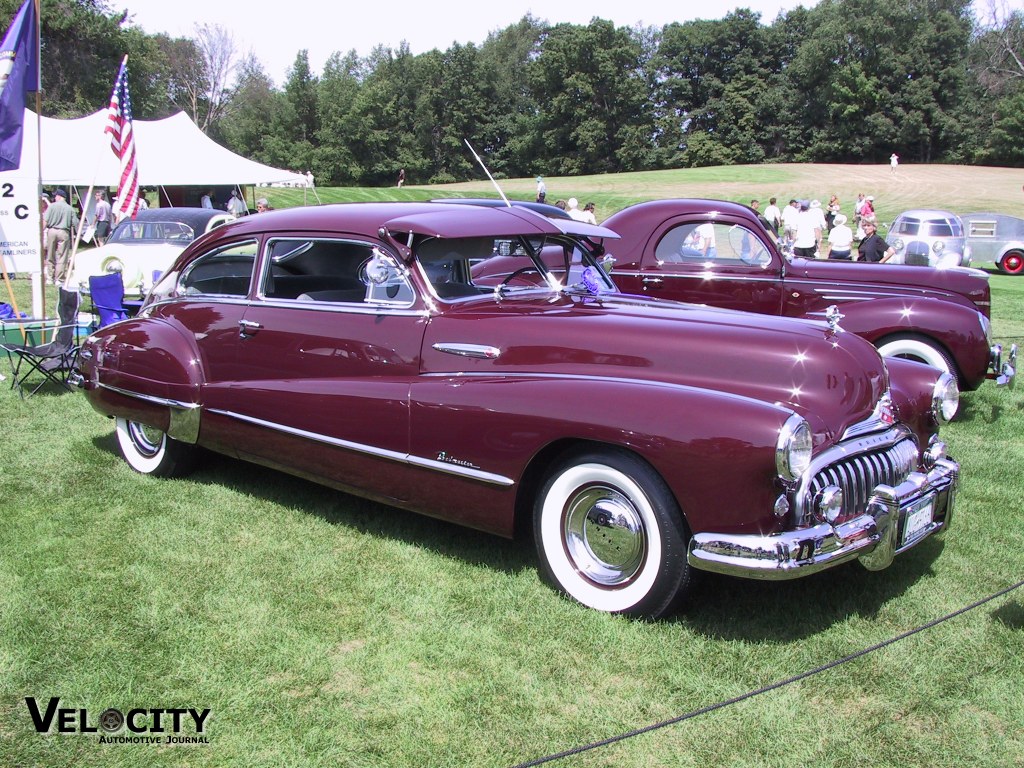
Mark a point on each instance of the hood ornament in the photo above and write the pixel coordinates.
(833, 316)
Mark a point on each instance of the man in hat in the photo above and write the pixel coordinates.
(60, 221)
(542, 190)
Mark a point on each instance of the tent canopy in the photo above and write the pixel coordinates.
(169, 152)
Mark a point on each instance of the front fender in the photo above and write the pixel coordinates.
(953, 328)
(911, 385)
(715, 451)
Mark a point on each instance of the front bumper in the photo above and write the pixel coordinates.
(897, 518)
(1002, 368)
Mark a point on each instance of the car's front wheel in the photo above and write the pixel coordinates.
(610, 534)
(1012, 262)
(150, 451)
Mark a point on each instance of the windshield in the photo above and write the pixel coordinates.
(471, 266)
(153, 232)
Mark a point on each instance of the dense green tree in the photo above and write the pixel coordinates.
(597, 115)
(334, 161)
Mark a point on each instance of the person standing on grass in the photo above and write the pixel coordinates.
(840, 240)
(103, 216)
(873, 248)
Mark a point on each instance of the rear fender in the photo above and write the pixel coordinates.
(145, 370)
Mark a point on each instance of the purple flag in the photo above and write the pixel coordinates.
(19, 73)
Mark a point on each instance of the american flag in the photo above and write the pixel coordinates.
(122, 142)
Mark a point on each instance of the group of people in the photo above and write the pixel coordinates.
(813, 231)
(61, 222)
(570, 206)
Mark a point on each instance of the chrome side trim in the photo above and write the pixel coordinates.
(184, 417)
(481, 351)
(370, 450)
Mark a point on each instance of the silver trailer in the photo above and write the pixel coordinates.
(996, 238)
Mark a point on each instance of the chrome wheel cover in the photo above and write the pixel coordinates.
(148, 441)
(604, 535)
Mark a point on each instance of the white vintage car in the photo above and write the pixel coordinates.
(147, 244)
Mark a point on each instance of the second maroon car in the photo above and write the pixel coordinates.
(939, 317)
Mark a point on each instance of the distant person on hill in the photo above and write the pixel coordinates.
(542, 190)
(894, 161)
(401, 178)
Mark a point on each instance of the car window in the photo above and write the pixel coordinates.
(939, 228)
(982, 228)
(224, 272)
(906, 227)
(333, 271)
(711, 242)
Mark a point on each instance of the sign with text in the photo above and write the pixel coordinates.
(19, 224)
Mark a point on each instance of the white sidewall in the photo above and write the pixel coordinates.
(916, 350)
(140, 463)
(551, 526)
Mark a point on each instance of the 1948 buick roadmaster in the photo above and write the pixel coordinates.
(478, 365)
(939, 317)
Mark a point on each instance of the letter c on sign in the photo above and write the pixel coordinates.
(21, 211)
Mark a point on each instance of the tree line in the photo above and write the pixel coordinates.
(847, 81)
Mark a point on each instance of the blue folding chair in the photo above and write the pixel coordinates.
(107, 293)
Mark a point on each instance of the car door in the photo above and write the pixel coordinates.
(718, 262)
(325, 361)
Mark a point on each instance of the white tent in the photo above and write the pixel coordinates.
(169, 152)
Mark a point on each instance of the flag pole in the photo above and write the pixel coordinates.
(39, 156)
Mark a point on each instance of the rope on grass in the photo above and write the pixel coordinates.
(773, 686)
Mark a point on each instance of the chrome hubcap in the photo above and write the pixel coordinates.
(148, 440)
(604, 535)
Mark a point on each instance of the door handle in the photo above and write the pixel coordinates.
(652, 281)
(247, 327)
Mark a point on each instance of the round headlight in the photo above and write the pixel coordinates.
(945, 398)
(898, 244)
(938, 246)
(793, 450)
(112, 264)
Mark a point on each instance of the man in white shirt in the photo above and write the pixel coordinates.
(573, 209)
(773, 214)
(808, 232)
(235, 205)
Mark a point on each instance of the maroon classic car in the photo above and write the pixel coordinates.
(478, 365)
(939, 317)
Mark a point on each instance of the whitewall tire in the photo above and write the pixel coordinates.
(610, 535)
(151, 452)
(922, 351)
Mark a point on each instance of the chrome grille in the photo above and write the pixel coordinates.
(859, 475)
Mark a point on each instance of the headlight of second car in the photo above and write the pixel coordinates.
(793, 450)
(112, 264)
(945, 398)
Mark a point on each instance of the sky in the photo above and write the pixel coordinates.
(276, 30)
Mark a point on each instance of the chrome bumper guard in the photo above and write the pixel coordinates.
(897, 518)
(1003, 370)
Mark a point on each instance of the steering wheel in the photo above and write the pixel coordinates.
(517, 273)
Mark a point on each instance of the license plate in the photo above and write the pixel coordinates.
(917, 519)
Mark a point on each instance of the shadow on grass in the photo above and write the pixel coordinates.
(719, 607)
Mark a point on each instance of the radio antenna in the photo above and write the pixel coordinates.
(488, 173)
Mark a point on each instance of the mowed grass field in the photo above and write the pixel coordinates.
(319, 629)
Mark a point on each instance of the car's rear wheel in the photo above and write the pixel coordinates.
(150, 451)
(610, 534)
(920, 350)
(1012, 262)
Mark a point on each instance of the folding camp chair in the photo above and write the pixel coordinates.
(107, 292)
(56, 359)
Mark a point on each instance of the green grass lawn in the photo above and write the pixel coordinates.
(320, 629)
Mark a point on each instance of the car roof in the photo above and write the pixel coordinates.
(196, 218)
(422, 218)
(927, 213)
(545, 209)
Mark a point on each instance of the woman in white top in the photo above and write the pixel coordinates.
(840, 240)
